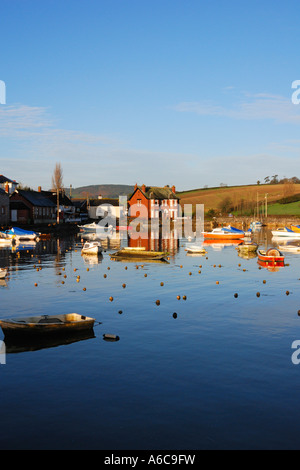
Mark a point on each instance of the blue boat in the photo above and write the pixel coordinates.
(21, 234)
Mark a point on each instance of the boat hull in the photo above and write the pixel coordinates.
(47, 324)
(267, 257)
(139, 254)
(223, 236)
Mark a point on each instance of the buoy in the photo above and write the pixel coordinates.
(145, 275)
(104, 275)
(199, 272)
(158, 302)
(190, 273)
(236, 295)
(217, 282)
(184, 297)
(84, 289)
(123, 285)
(287, 292)
(35, 284)
(108, 268)
(120, 312)
(125, 267)
(161, 283)
(111, 299)
(178, 297)
(87, 269)
(257, 294)
(109, 337)
(174, 315)
(264, 281)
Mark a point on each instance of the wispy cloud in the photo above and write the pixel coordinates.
(253, 107)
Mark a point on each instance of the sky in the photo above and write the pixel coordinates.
(190, 93)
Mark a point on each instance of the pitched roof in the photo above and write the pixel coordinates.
(36, 198)
(3, 179)
(155, 192)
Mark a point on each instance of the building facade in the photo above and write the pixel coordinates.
(4, 208)
(154, 202)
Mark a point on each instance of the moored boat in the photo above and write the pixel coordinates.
(295, 228)
(195, 249)
(224, 233)
(3, 273)
(21, 234)
(247, 247)
(285, 232)
(139, 253)
(272, 255)
(91, 248)
(42, 324)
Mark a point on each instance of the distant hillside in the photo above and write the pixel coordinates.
(104, 190)
(240, 197)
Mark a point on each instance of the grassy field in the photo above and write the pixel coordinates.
(244, 198)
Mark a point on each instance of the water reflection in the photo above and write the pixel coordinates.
(20, 345)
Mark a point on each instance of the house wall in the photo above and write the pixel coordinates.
(36, 214)
(140, 200)
(4, 209)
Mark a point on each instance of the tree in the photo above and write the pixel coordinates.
(226, 205)
(57, 185)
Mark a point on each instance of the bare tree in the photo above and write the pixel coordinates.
(57, 178)
(57, 185)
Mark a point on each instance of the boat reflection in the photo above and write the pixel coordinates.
(18, 345)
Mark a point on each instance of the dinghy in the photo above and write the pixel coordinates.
(70, 322)
(270, 256)
(139, 253)
(91, 248)
(3, 273)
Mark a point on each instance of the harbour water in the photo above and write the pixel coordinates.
(208, 371)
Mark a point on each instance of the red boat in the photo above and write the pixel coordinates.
(271, 256)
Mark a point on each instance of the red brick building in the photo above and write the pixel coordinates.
(154, 202)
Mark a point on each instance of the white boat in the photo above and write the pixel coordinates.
(3, 273)
(256, 225)
(196, 249)
(285, 232)
(289, 248)
(5, 241)
(97, 228)
(91, 248)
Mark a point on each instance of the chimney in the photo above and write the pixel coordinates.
(173, 189)
(40, 189)
(135, 187)
(144, 188)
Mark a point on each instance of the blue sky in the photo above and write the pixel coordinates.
(184, 92)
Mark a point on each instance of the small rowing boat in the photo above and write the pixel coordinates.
(139, 253)
(247, 247)
(41, 324)
(91, 248)
(3, 273)
(196, 249)
(272, 255)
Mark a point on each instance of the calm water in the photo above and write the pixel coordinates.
(209, 372)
